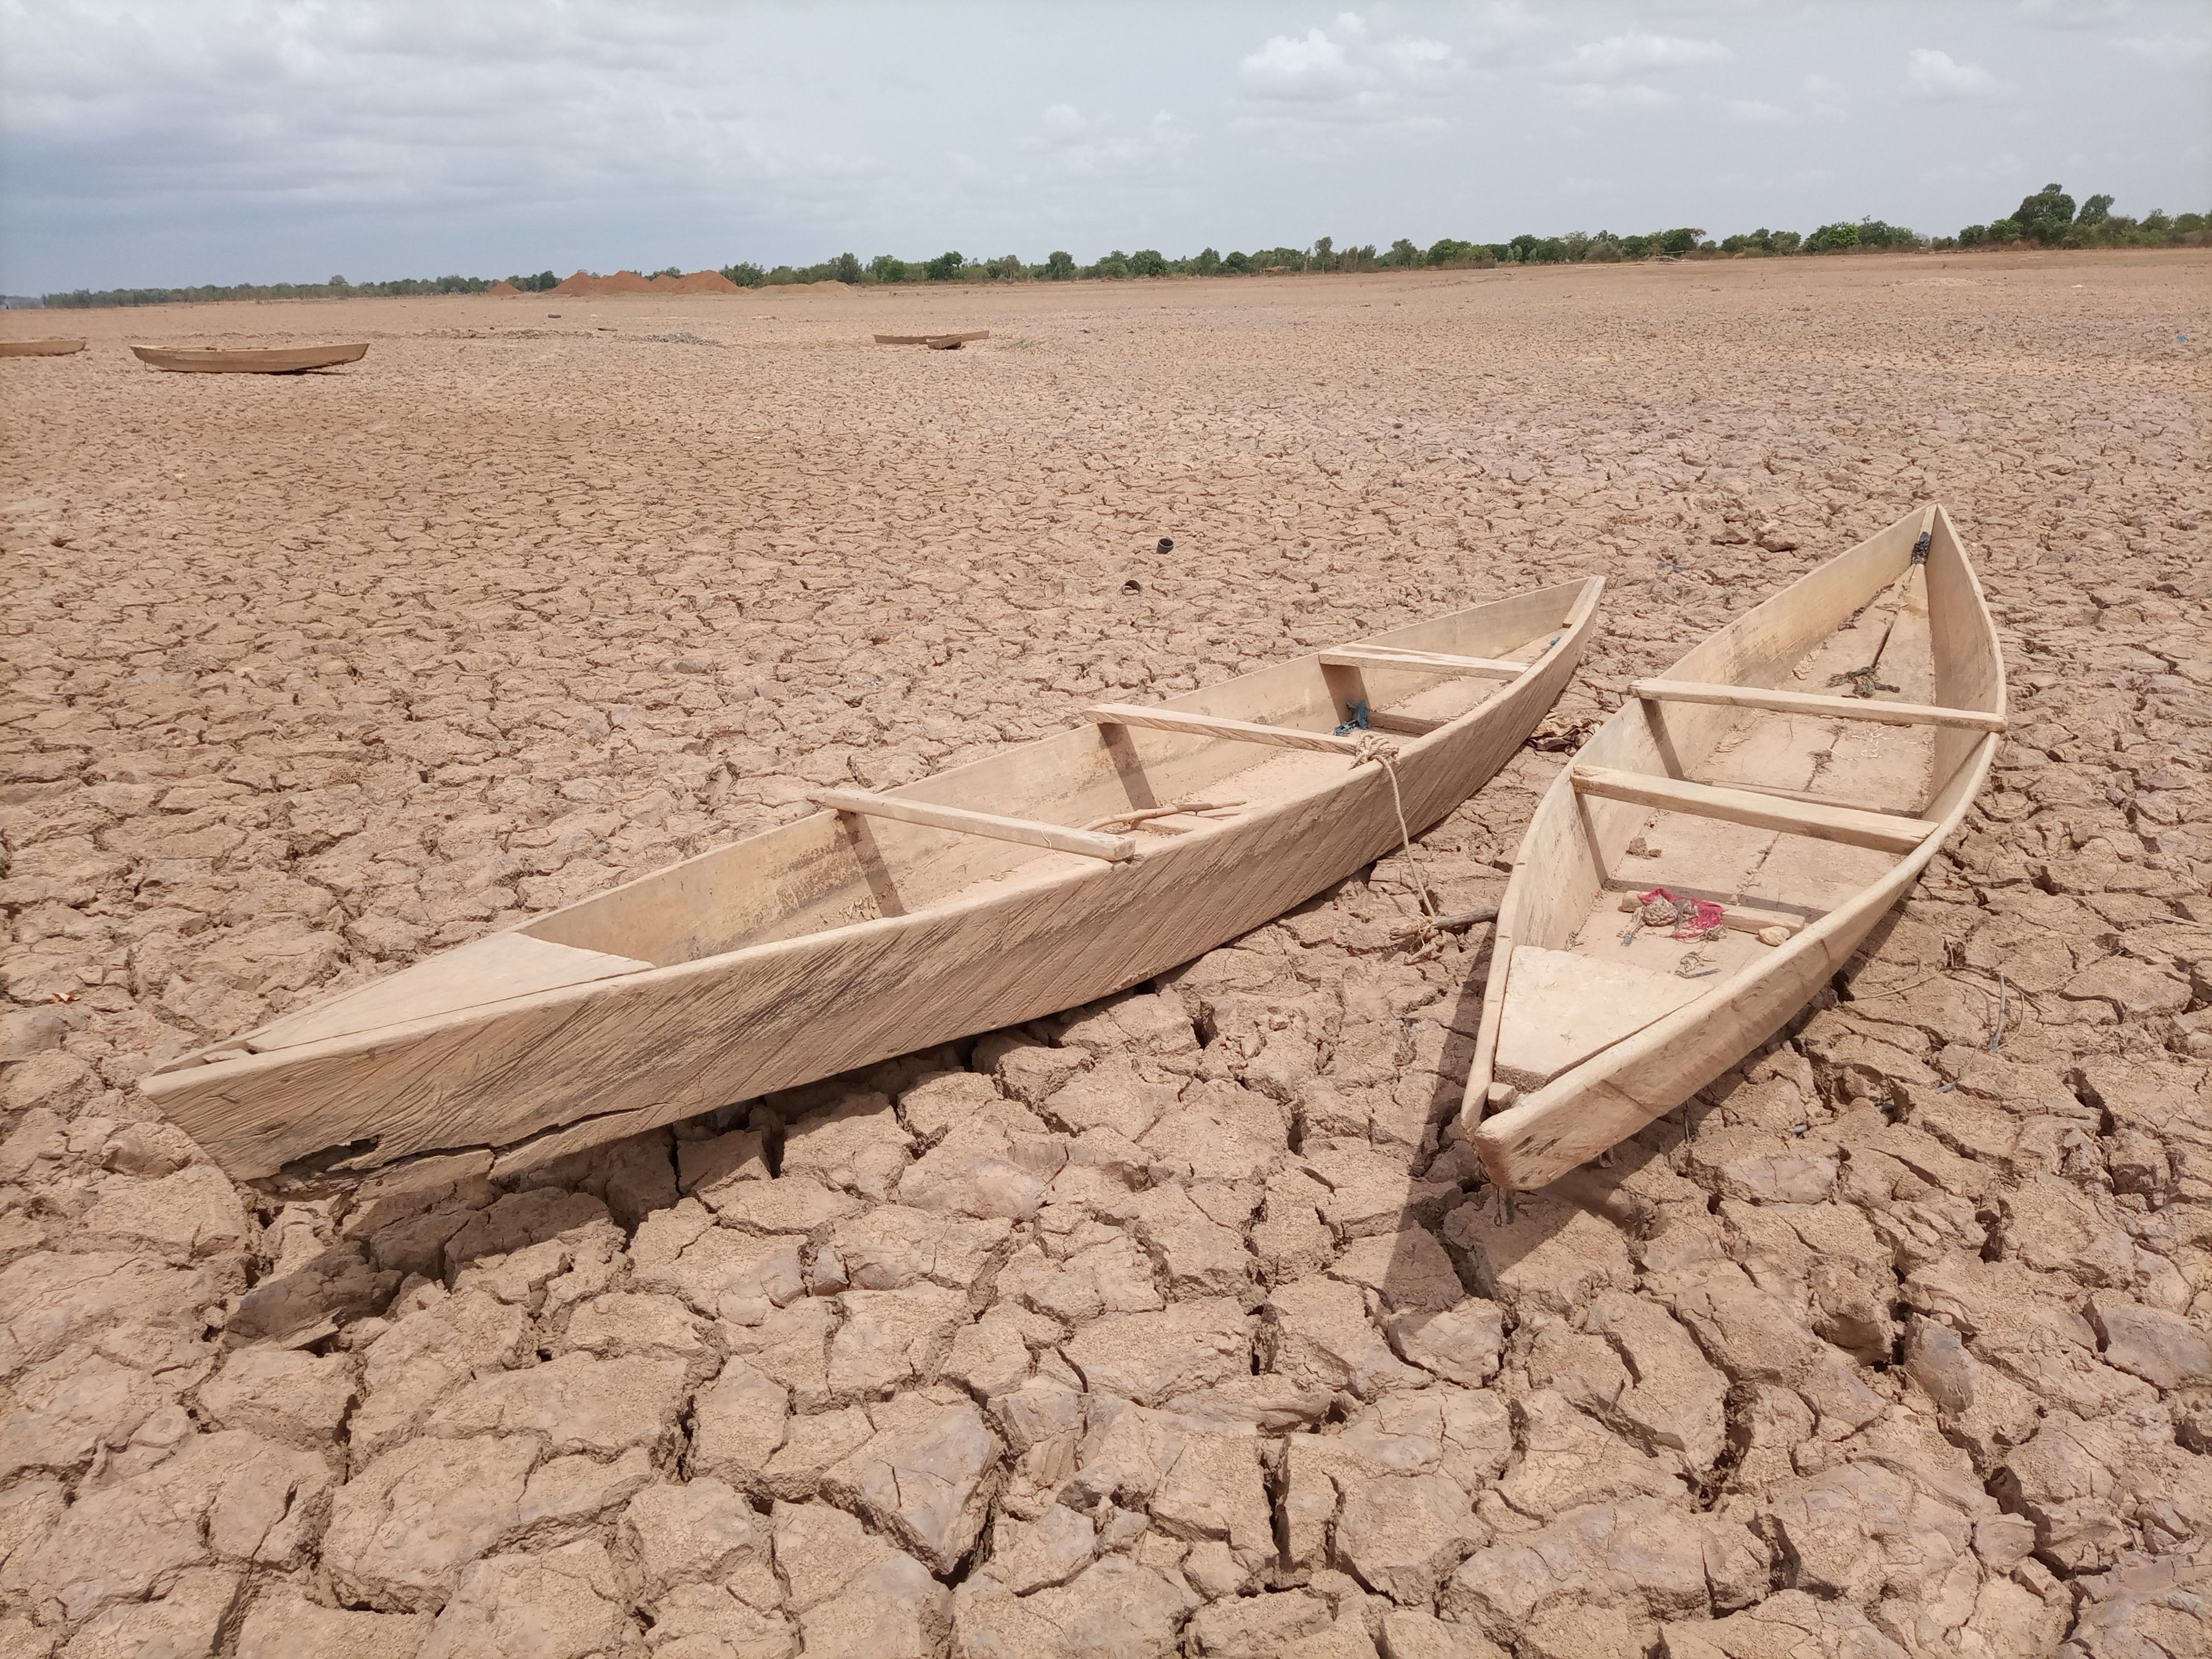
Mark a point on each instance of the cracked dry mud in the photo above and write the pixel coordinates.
(1180, 1324)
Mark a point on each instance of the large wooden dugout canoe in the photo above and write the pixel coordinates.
(272, 360)
(40, 348)
(1000, 891)
(1765, 785)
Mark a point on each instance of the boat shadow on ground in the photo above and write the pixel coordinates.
(1547, 1248)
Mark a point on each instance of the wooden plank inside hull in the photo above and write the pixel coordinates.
(1801, 702)
(1213, 726)
(1422, 662)
(490, 969)
(1838, 824)
(1561, 1008)
(1025, 831)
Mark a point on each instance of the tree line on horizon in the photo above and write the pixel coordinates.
(2049, 218)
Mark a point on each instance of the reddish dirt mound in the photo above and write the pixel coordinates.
(703, 281)
(504, 291)
(582, 284)
(622, 281)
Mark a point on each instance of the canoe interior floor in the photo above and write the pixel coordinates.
(1275, 774)
(1857, 763)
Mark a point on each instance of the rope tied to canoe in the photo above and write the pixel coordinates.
(1374, 746)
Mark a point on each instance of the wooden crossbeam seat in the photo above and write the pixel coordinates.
(1213, 726)
(1804, 703)
(1390, 657)
(1028, 831)
(1844, 824)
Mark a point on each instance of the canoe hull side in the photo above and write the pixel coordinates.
(1606, 1100)
(277, 360)
(604, 1061)
(1556, 876)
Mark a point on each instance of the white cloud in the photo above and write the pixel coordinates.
(1756, 109)
(2170, 51)
(1090, 147)
(1312, 68)
(1598, 94)
(1932, 73)
(1348, 75)
(1619, 55)
(1597, 75)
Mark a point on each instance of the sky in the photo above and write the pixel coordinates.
(166, 143)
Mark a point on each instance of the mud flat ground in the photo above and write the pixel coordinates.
(1178, 1325)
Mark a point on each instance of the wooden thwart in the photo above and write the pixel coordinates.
(1028, 831)
(1423, 662)
(1213, 726)
(1844, 824)
(1403, 725)
(1802, 703)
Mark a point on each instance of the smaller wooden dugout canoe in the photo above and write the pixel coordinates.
(40, 348)
(1000, 891)
(272, 360)
(934, 342)
(1750, 776)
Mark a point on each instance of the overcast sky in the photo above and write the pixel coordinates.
(172, 141)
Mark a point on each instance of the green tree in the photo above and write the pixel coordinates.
(669, 270)
(2007, 230)
(1239, 263)
(2095, 211)
(744, 273)
(944, 268)
(1115, 265)
(1058, 265)
(888, 268)
(1682, 240)
(2045, 215)
(1323, 257)
(1204, 263)
(1829, 238)
(1147, 262)
(846, 268)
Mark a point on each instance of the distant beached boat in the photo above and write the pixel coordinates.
(222, 360)
(39, 348)
(934, 342)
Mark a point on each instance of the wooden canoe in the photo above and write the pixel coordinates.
(1002, 891)
(934, 342)
(1751, 776)
(274, 360)
(40, 348)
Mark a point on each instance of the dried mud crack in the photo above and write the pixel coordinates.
(1182, 1323)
